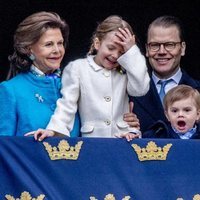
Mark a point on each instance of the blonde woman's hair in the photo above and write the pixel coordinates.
(111, 23)
(181, 92)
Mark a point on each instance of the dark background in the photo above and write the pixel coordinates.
(83, 15)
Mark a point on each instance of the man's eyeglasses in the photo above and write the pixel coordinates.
(169, 46)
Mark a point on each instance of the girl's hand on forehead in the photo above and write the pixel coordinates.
(126, 39)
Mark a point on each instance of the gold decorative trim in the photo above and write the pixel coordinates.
(195, 197)
(110, 197)
(63, 151)
(152, 151)
(25, 196)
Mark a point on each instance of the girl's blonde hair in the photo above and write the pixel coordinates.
(111, 23)
(181, 92)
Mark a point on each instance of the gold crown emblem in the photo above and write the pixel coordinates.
(111, 197)
(25, 196)
(63, 151)
(152, 151)
(195, 197)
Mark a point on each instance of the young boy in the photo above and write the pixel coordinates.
(182, 109)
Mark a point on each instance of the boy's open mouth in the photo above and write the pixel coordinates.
(181, 123)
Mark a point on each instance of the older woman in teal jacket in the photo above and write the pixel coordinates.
(28, 100)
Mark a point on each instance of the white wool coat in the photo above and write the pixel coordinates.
(100, 95)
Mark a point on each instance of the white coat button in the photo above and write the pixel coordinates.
(106, 74)
(107, 122)
(107, 98)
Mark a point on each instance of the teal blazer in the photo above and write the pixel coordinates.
(27, 103)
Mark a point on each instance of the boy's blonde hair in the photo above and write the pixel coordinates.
(111, 23)
(181, 92)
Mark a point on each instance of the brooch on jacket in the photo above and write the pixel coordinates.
(39, 98)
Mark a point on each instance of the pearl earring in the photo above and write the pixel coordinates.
(32, 57)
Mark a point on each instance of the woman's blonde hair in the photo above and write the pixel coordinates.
(28, 33)
(181, 92)
(111, 23)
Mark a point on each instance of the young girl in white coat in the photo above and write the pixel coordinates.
(99, 85)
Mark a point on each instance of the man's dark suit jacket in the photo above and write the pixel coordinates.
(149, 108)
(164, 130)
